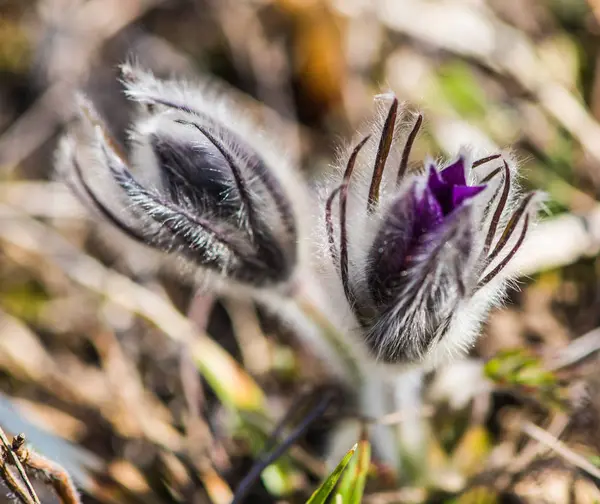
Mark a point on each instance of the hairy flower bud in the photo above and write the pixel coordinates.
(200, 182)
(424, 256)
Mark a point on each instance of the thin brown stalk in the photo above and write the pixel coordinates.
(343, 229)
(55, 474)
(491, 175)
(560, 448)
(14, 460)
(329, 226)
(383, 151)
(484, 160)
(490, 276)
(13, 484)
(408, 148)
(510, 227)
(499, 209)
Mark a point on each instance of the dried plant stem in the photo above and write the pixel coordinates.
(57, 476)
(577, 350)
(212, 361)
(13, 459)
(559, 447)
(535, 448)
(13, 484)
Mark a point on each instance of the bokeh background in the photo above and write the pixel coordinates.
(93, 368)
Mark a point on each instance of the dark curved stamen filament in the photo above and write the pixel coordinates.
(279, 197)
(490, 276)
(102, 208)
(408, 147)
(343, 230)
(89, 114)
(329, 226)
(383, 151)
(235, 171)
(484, 160)
(510, 227)
(491, 175)
(174, 105)
(499, 209)
(194, 227)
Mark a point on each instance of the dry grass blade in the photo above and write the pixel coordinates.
(559, 447)
(578, 350)
(228, 379)
(518, 59)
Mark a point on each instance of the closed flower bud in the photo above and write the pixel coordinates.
(200, 182)
(421, 256)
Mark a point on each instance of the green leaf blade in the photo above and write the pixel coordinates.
(320, 495)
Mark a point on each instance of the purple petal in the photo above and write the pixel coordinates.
(391, 246)
(455, 173)
(434, 181)
(441, 190)
(429, 211)
(462, 193)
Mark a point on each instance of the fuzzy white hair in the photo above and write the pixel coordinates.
(200, 181)
(433, 319)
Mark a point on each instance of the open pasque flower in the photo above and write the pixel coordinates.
(199, 182)
(421, 255)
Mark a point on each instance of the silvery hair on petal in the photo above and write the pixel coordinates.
(416, 257)
(199, 181)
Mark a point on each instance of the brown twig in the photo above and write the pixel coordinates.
(13, 459)
(55, 474)
(560, 448)
(13, 484)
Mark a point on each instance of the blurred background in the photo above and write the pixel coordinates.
(93, 368)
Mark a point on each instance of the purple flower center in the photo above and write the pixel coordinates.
(416, 218)
(445, 191)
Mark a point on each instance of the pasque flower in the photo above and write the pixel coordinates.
(418, 256)
(421, 255)
(406, 262)
(199, 181)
